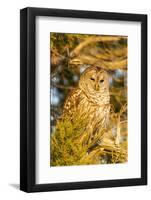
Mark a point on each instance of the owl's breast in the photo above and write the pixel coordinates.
(79, 105)
(93, 112)
(91, 109)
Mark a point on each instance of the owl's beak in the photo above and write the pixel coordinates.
(97, 87)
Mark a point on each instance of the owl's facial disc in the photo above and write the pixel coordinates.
(94, 80)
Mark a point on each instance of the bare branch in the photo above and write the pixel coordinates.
(93, 39)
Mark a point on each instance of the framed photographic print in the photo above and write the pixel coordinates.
(83, 99)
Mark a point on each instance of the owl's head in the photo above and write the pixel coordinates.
(94, 79)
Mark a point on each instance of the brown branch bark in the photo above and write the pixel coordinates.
(93, 39)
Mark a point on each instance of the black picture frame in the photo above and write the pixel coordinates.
(28, 99)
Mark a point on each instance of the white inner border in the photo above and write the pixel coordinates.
(131, 169)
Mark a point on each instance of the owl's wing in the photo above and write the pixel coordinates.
(72, 101)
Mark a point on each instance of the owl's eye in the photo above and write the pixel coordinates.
(92, 79)
(101, 81)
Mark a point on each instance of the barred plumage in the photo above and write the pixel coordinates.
(90, 99)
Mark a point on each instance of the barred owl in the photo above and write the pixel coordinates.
(90, 99)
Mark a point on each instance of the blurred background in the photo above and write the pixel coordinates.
(71, 54)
